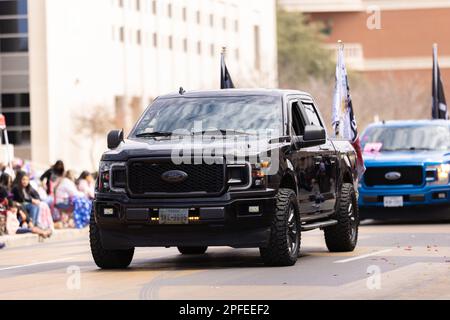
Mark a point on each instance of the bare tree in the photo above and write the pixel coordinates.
(93, 126)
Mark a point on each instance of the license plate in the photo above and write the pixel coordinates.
(173, 216)
(393, 202)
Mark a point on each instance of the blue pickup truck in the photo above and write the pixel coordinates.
(408, 164)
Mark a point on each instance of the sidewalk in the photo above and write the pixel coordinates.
(21, 240)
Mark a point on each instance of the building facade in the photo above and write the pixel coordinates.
(386, 38)
(14, 72)
(72, 58)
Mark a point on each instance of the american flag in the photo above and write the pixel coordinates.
(344, 121)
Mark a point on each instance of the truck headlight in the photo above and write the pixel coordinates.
(438, 174)
(443, 172)
(104, 176)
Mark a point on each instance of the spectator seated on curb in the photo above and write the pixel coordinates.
(13, 225)
(27, 197)
(67, 196)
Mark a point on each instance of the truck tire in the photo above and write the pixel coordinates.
(344, 236)
(284, 242)
(107, 259)
(192, 250)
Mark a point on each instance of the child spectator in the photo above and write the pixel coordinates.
(86, 184)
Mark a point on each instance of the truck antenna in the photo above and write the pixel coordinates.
(182, 91)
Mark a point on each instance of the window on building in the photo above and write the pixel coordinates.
(237, 54)
(184, 14)
(17, 7)
(236, 25)
(257, 44)
(154, 7)
(185, 45)
(199, 17)
(199, 47)
(155, 40)
(136, 108)
(139, 37)
(119, 108)
(169, 10)
(170, 42)
(16, 109)
(224, 23)
(13, 26)
(19, 44)
(211, 20)
(138, 5)
(212, 49)
(122, 34)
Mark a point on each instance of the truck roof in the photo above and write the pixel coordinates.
(409, 123)
(235, 92)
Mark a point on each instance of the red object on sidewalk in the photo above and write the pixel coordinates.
(2, 122)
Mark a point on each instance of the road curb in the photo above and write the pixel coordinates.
(22, 240)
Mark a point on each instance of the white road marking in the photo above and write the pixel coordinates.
(364, 256)
(36, 264)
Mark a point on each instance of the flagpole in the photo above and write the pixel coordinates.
(435, 111)
(339, 124)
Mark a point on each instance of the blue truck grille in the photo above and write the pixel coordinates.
(376, 176)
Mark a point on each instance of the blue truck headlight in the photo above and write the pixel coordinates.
(440, 174)
(443, 172)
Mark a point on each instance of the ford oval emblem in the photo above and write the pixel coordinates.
(174, 176)
(393, 176)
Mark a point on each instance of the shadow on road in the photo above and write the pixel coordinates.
(402, 216)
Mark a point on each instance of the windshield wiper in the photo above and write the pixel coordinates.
(225, 132)
(158, 134)
(154, 134)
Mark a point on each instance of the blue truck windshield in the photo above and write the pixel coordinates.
(404, 138)
(238, 114)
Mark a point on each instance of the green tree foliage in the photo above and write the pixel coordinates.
(301, 54)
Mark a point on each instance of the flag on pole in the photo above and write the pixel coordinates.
(440, 109)
(225, 79)
(344, 121)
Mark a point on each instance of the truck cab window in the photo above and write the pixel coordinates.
(298, 124)
(313, 117)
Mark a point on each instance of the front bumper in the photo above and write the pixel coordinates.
(222, 221)
(427, 195)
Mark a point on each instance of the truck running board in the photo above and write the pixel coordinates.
(321, 224)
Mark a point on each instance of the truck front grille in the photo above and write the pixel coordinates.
(145, 177)
(376, 176)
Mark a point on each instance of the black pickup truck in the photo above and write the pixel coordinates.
(238, 168)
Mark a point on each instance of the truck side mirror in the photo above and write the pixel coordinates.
(313, 136)
(115, 137)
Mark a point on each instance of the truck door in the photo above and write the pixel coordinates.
(303, 162)
(326, 163)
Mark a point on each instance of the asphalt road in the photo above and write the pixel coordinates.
(392, 261)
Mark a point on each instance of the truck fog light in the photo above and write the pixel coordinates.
(108, 211)
(258, 182)
(253, 209)
(442, 195)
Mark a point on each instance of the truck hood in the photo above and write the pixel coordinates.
(406, 157)
(132, 148)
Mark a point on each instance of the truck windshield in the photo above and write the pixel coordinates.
(404, 138)
(233, 115)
